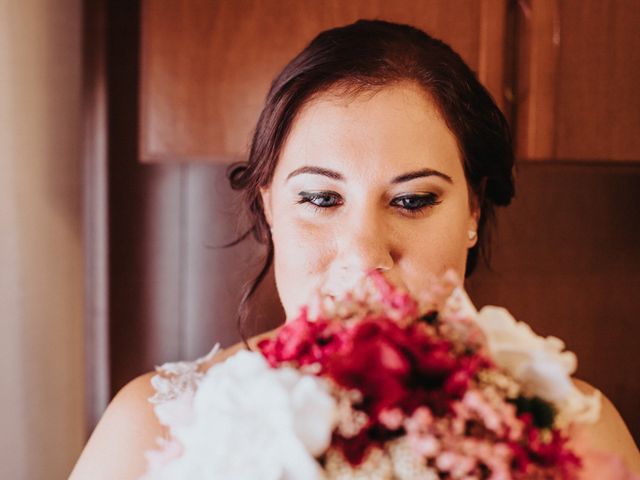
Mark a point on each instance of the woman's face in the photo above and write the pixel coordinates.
(372, 181)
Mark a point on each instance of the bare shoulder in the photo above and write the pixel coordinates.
(610, 433)
(127, 429)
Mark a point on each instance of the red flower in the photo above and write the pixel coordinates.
(540, 454)
(401, 367)
(304, 342)
(393, 360)
(374, 364)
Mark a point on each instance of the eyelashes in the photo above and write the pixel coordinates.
(320, 200)
(412, 205)
(416, 203)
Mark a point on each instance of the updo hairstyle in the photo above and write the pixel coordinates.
(364, 56)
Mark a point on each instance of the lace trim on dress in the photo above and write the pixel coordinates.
(174, 379)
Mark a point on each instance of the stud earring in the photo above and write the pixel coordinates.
(472, 234)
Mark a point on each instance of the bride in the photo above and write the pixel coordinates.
(377, 149)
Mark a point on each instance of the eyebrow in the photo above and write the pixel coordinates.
(316, 171)
(405, 177)
(425, 172)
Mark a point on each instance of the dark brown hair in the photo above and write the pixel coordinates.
(370, 54)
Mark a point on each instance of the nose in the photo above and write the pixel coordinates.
(364, 244)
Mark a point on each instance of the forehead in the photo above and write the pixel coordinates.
(386, 130)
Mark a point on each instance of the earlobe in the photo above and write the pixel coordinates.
(472, 233)
(476, 211)
(473, 238)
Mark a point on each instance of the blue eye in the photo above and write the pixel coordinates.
(408, 204)
(413, 204)
(320, 200)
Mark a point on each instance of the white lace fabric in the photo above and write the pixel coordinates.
(175, 379)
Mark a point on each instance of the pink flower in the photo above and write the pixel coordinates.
(391, 418)
(398, 304)
(457, 464)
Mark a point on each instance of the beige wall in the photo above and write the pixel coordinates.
(41, 284)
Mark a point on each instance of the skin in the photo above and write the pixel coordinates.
(364, 214)
(369, 140)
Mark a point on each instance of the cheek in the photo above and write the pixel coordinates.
(434, 254)
(303, 252)
(434, 248)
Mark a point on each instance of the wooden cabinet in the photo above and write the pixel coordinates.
(577, 77)
(571, 68)
(207, 65)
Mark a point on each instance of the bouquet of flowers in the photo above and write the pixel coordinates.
(376, 384)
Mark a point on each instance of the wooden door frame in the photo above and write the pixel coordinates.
(95, 214)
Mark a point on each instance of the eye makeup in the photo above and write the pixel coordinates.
(408, 204)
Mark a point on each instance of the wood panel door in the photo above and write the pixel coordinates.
(206, 65)
(577, 95)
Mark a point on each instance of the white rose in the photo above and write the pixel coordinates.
(252, 421)
(540, 365)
